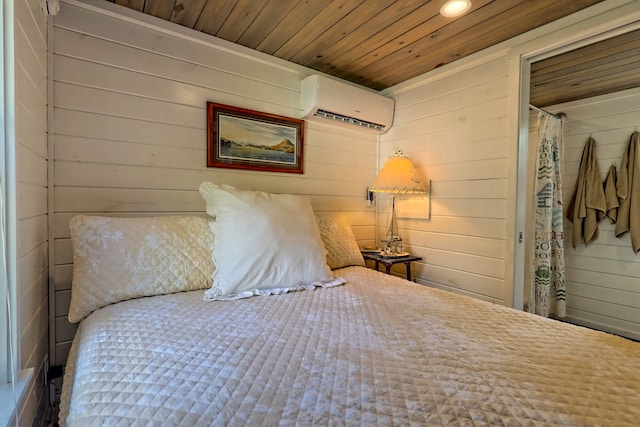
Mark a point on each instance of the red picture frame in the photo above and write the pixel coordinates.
(239, 138)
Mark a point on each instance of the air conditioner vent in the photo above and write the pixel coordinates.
(351, 120)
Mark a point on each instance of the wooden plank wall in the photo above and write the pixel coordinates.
(603, 277)
(130, 129)
(31, 170)
(455, 130)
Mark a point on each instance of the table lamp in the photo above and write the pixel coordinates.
(397, 176)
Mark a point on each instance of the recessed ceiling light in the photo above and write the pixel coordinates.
(454, 8)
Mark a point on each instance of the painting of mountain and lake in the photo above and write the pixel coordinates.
(249, 140)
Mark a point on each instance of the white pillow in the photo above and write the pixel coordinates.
(337, 236)
(265, 244)
(116, 259)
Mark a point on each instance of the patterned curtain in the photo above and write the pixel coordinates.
(547, 291)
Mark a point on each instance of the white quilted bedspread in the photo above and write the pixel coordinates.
(376, 351)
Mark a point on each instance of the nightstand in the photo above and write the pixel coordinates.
(389, 262)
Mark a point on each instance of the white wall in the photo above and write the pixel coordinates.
(31, 170)
(460, 125)
(603, 277)
(456, 133)
(130, 95)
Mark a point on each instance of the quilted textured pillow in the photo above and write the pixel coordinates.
(265, 244)
(116, 259)
(338, 239)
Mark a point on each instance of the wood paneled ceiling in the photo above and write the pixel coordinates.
(374, 43)
(608, 66)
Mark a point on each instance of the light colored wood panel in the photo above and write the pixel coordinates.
(63, 300)
(30, 97)
(359, 215)
(603, 323)
(34, 25)
(34, 336)
(603, 308)
(108, 200)
(32, 234)
(453, 121)
(28, 134)
(33, 200)
(613, 262)
(32, 167)
(472, 170)
(340, 139)
(317, 156)
(481, 74)
(63, 251)
(455, 280)
(72, 199)
(30, 54)
(63, 275)
(461, 226)
(480, 246)
(476, 208)
(91, 150)
(627, 300)
(364, 234)
(603, 123)
(33, 300)
(32, 266)
(195, 49)
(606, 245)
(107, 103)
(191, 82)
(109, 128)
(61, 350)
(120, 176)
(468, 189)
(64, 330)
(473, 264)
(441, 150)
(604, 105)
(464, 96)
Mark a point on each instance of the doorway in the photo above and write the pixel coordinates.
(553, 80)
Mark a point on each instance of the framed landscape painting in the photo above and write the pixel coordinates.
(245, 139)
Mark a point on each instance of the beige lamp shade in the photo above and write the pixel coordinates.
(398, 175)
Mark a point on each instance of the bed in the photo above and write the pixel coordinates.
(358, 347)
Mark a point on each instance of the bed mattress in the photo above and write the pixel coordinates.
(376, 351)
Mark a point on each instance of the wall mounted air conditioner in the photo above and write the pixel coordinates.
(344, 104)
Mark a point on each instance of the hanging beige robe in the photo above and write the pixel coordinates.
(587, 206)
(628, 189)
